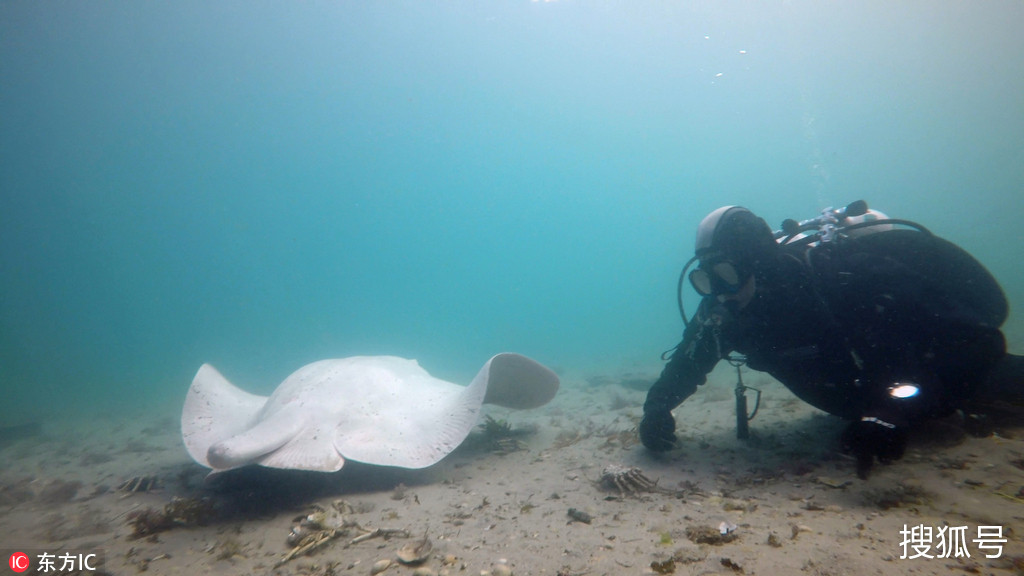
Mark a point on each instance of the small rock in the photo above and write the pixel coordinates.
(580, 516)
(501, 570)
(380, 566)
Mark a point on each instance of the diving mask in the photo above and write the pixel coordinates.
(718, 277)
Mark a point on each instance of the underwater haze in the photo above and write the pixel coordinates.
(259, 185)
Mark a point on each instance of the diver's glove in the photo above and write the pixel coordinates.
(881, 434)
(658, 430)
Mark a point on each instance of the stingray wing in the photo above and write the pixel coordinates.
(215, 410)
(225, 427)
(410, 420)
(413, 420)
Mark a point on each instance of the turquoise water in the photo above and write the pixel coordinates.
(263, 184)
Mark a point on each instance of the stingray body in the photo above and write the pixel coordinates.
(379, 410)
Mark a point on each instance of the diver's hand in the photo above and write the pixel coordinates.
(658, 430)
(883, 436)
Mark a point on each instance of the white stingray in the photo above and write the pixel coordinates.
(375, 409)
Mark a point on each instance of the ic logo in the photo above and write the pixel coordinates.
(19, 562)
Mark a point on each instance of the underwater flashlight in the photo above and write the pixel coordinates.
(902, 390)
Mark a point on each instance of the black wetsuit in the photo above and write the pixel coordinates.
(841, 323)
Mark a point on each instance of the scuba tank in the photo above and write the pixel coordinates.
(960, 276)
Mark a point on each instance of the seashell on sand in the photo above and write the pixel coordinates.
(415, 552)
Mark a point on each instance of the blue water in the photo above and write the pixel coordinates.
(263, 184)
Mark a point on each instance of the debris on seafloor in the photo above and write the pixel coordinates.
(142, 563)
(664, 566)
(179, 512)
(904, 494)
(500, 437)
(796, 529)
(709, 535)
(832, 482)
(576, 515)
(728, 563)
(626, 480)
(139, 484)
(415, 553)
(308, 525)
(313, 532)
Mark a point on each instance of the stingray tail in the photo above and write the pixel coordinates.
(215, 410)
(515, 381)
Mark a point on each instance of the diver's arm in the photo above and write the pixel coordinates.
(688, 367)
(678, 381)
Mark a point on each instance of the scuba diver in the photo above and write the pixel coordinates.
(871, 319)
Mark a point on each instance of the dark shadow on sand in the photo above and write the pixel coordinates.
(255, 491)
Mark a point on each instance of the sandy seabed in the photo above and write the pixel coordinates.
(525, 496)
